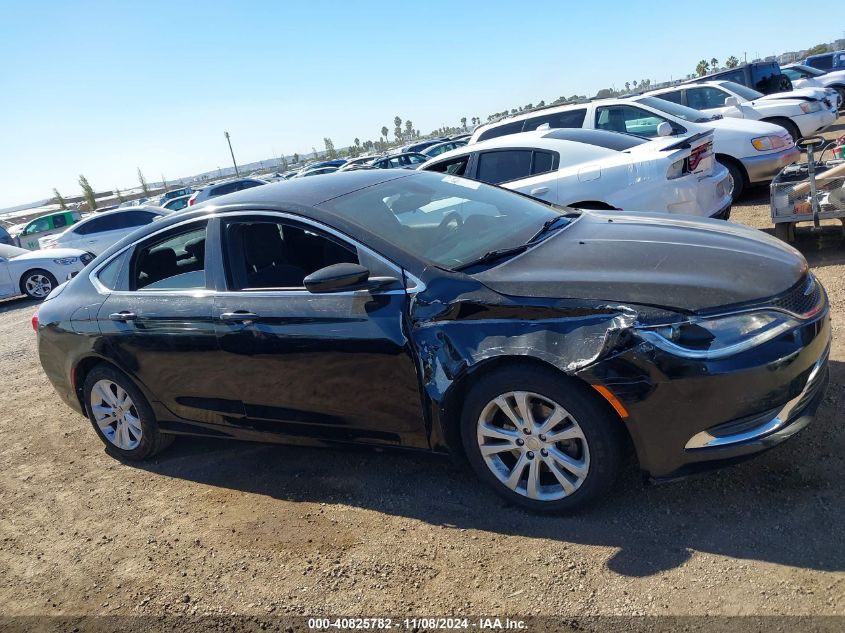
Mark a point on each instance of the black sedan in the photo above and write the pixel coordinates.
(432, 313)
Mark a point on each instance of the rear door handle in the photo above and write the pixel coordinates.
(238, 315)
(539, 190)
(123, 316)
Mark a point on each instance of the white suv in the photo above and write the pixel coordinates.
(752, 151)
(797, 112)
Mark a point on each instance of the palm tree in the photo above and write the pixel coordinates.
(732, 62)
(702, 67)
(384, 131)
(59, 200)
(464, 122)
(627, 86)
(714, 64)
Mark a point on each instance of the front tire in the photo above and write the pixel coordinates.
(121, 415)
(540, 440)
(37, 284)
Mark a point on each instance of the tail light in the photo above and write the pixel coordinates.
(35, 322)
(191, 201)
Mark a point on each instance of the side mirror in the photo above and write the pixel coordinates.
(343, 277)
(732, 101)
(664, 129)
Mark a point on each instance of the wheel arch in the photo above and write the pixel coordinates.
(451, 407)
(785, 122)
(736, 163)
(595, 205)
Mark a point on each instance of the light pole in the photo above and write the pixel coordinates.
(234, 162)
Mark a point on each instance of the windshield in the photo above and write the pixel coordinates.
(743, 91)
(682, 112)
(446, 220)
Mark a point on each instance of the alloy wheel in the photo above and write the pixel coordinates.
(116, 414)
(38, 285)
(533, 445)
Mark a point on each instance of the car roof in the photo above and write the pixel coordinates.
(118, 211)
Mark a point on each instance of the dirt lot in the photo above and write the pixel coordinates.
(230, 528)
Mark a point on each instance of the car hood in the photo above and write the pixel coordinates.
(681, 264)
(798, 94)
(748, 127)
(50, 253)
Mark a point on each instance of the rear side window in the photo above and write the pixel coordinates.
(501, 130)
(115, 222)
(453, 166)
(110, 273)
(543, 162)
(249, 184)
(567, 118)
(625, 118)
(674, 96)
(59, 221)
(503, 165)
(175, 262)
(222, 190)
(765, 77)
(706, 98)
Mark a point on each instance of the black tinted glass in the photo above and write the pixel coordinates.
(543, 162)
(502, 166)
(568, 118)
(501, 130)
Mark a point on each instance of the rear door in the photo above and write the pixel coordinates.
(711, 100)
(326, 367)
(157, 324)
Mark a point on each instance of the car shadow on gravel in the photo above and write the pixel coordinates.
(784, 507)
(16, 303)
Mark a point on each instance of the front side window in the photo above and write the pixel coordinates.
(706, 98)
(263, 253)
(38, 226)
(174, 262)
(443, 219)
(503, 165)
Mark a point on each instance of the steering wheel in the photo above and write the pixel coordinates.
(450, 222)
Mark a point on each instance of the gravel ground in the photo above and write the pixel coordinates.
(236, 528)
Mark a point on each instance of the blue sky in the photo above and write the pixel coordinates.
(101, 88)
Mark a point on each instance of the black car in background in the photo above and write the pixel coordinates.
(427, 312)
(765, 77)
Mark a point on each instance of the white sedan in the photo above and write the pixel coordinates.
(597, 169)
(800, 112)
(803, 76)
(98, 231)
(36, 273)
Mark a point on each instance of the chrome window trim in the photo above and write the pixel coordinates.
(416, 286)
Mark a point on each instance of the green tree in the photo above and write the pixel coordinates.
(330, 151)
(702, 67)
(88, 193)
(119, 196)
(144, 187)
(818, 49)
(731, 62)
(316, 155)
(357, 142)
(384, 131)
(409, 128)
(164, 182)
(397, 127)
(295, 158)
(627, 86)
(57, 198)
(464, 122)
(714, 64)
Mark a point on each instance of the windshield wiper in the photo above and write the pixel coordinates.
(548, 225)
(492, 256)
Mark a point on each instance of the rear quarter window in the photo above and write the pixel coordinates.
(501, 130)
(567, 118)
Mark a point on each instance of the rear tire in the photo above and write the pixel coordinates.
(37, 284)
(737, 178)
(121, 416)
(524, 462)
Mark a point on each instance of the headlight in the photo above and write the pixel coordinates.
(720, 336)
(763, 143)
(810, 106)
(66, 261)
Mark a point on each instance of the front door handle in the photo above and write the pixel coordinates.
(238, 315)
(539, 190)
(123, 316)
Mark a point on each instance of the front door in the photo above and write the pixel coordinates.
(331, 367)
